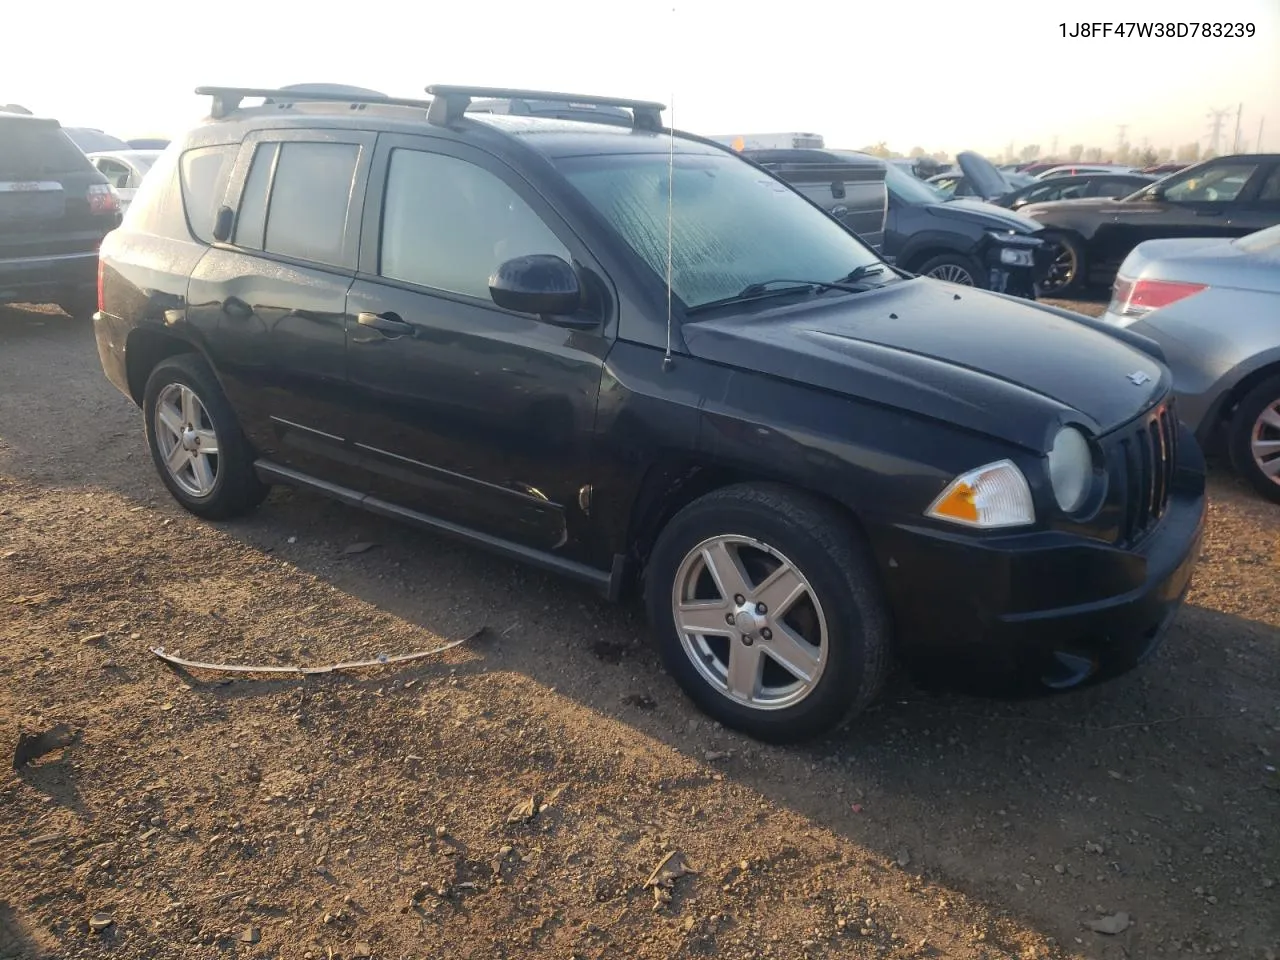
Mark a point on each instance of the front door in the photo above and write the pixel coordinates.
(467, 412)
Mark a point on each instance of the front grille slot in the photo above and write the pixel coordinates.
(1148, 455)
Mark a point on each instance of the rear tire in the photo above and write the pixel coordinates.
(815, 660)
(186, 416)
(1253, 438)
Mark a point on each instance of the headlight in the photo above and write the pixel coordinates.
(996, 495)
(1070, 469)
(1015, 257)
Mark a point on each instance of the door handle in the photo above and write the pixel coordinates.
(235, 307)
(388, 323)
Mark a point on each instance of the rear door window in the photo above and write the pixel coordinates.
(310, 199)
(204, 182)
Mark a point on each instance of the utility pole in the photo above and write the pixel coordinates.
(1235, 142)
(1053, 150)
(1258, 148)
(1120, 140)
(1215, 128)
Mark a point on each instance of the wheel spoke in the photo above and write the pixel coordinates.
(743, 678)
(177, 458)
(723, 565)
(202, 470)
(704, 617)
(779, 591)
(1270, 417)
(1264, 448)
(170, 418)
(190, 407)
(1271, 468)
(800, 658)
(208, 442)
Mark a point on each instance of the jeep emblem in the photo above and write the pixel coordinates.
(1138, 378)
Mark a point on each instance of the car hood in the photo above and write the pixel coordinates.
(999, 366)
(1078, 204)
(987, 181)
(985, 214)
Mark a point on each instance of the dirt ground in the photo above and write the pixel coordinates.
(510, 798)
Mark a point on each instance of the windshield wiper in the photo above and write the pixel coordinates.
(862, 272)
(767, 288)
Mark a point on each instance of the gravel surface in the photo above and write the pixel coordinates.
(511, 797)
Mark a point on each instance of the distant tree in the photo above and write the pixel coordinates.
(1188, 152)
(1029, 152)
(1164, 154)
(878, 150)
(941, 156)
(1124, 154)
(1147, 157)
(1074, 151)
(916, 153)
(1093, 155)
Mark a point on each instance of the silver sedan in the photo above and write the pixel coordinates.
(1213, 305)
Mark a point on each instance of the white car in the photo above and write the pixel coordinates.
(124, 170)
(1072, 169)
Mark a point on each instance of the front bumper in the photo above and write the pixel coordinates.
(1046, 611)
(48, 279)
(1019, 278)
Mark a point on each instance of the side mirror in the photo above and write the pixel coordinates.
(541, 283)
(1155, 194)
(222, 224)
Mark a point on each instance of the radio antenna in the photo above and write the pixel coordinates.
(667, 360)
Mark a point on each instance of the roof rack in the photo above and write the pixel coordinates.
(449, 102)
(227, 99)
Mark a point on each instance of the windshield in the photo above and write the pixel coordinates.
(732, 225)
(1260, 241)
(906, 188)
(33, 149)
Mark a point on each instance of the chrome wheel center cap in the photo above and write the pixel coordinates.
(748, 621)
(189, 440)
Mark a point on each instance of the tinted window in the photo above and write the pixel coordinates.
(310, 196)
(448, 224)
(1116, 187)
(204, 181)
(251, 221)
(1270, 192)
(1218, 183)
(31, 149)
(731, 224)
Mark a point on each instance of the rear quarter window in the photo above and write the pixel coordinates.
(157, 206)
(204, 175)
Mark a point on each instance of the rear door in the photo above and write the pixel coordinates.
(45, 209)
(271, 300)
(468, 412)
(1260, 207)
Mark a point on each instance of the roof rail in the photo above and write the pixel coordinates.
(227, 99)
(449, 102)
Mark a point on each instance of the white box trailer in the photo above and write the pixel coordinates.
(771, 141)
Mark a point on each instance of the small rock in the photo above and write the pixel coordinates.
(293, 539)
(1059, 868)
(1112, 925)
(1091, 847)
(362, 950)
(904, 857)
(441, 831)
(711, 756)
(100, 921)
(358, 548)
(250, 935)
(523, 812)
(93, 638)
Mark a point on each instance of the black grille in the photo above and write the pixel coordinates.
(1148, 451)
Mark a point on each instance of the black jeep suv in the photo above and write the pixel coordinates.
(55, 208)
(628, 355)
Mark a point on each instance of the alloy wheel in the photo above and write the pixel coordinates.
(750, 621)
(1062, 270)
(1264, 442)
(952, 273)
(187, 440)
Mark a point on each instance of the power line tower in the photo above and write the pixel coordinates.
(1120, 141)
(1216, 119)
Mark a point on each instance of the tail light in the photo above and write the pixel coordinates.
(1132, 299)
(101, 304)
(103, 199)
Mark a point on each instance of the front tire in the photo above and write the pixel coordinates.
(768, 612)
(1068, 272)
(1253, 438)
(196, 442)
(954, 268)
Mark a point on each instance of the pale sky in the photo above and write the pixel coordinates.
(953, 75)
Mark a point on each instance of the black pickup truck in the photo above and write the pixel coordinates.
(55, 208)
